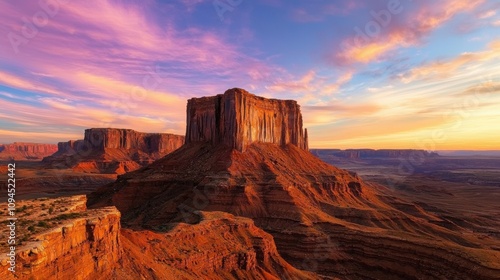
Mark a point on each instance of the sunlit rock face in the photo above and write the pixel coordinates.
(113, 150)
(26, 151)
(113, 138)
(238, 118)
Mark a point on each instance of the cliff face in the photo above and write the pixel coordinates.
(238, 118)
(26, 151)
(84, 248)
(112, 138)
(94, 246)
(70, 147)
(111, 150)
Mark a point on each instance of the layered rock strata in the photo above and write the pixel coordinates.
(110, 150)
(323, 219)
(83, 248)
(26, 151)
(238, 118)
(375, 154)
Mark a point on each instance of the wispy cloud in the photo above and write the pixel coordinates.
(446, 68)
(367, 45)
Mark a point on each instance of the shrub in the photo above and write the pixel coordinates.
(67, 216)
(43, 224)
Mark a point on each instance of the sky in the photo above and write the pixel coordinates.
(367, 74)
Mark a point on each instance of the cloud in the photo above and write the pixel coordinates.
(487, 14)
(116, 64)
(442, 69)
(17, 82)
(335, 111)
(485, 87)
(311, 85)
(399, 31)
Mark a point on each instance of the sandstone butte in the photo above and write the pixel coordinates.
(26, 151)
(249, 201)
(111, 150)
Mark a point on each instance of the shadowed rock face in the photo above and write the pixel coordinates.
(26, 151)
(238, 118)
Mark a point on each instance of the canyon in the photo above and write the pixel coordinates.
(323, 219)
(244, 198)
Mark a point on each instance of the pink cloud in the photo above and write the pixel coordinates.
(105, 63)
(404, 29)
(443, 69)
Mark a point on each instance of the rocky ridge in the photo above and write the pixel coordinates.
(111, 150)
(81, 248)
(94, 246)
(26, 151)
(370, 153)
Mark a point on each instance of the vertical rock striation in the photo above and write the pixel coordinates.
(112, 150)
(238, 118)
(113, 138)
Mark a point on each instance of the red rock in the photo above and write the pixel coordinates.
(221, 246)
(369, 153)
(84, 248)
(238, 118)
(115, 151)
(26, 151)
(323, 219)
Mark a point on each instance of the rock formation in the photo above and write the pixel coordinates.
(370, 153)
(26, 151)
(83, 248)
(238, 118)
(94, 246)
(69, 148)
(247, 156)
(111, 150)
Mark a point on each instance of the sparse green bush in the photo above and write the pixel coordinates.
(67, 216)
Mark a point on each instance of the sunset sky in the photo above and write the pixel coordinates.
(368, 74)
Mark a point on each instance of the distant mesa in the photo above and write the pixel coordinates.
(26, 151)
(112, 150)
(238, 118)
(374, 154)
